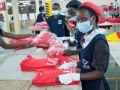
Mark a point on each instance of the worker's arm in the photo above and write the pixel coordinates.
(17, 36)
(68, 52)
(12, 46)
(68, 26)
(92, 75)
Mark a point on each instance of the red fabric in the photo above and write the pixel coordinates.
(40, 24)
(70, 21)
(45, 27)
(105, 9)
(92, 6)
(115, 11)
(66, 59)
(109, 19)
(111, 8)
(46, 77)
(35, 28)
(43, 39)
(32, 64)
(55, 49)
(2, 6)
(118, 34)
(20, 41)
(72, 26)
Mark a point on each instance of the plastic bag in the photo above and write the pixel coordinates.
(21, 41)
(35, 28)
(55, 49)
(43, 39)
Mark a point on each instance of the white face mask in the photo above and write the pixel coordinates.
(84, 27)
(74, 18)
(55, 12)
(1, 24)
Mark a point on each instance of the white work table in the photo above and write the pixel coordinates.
(10, 69)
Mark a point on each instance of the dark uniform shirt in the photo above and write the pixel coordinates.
(57, 26)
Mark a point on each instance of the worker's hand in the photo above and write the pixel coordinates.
(33, 35)
(68, 65)
(68, 52)
(27, 45)
(68, 78)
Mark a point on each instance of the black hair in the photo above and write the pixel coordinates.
(41, 8)
(92, 13)
(73, 4)
(57, 4)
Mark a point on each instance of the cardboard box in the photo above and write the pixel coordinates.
(29, 23)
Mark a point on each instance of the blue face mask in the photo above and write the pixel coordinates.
(44, 14)
(84, 27)
(1, 24)
(74, 18)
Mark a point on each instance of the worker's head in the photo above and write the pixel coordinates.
(72, 7)
(41, 9)
(56, 9)
(1, 20)
(111, 3)
(88, 16)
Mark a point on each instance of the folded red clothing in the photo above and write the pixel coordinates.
(32, 64)
(20, 41)
(35, 28)
(43, 39)
(55, 49)
(46, 77)
(40, 24)
(66, 59)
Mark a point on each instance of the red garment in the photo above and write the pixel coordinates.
(111, 8)
(92, 6)
(70, 21)
(105, 9)
(43, 39)
(55, 49)
(110, 20)
(32, 64)
(72, 26)
(20, 41)
(40, 24)
(34, 28)
(46, 77)
(66, 59)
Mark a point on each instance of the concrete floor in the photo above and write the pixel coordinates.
(110, 74)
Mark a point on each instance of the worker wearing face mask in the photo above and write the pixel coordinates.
(10, 35)
(58, 24)
(41, 17)
(72, 8)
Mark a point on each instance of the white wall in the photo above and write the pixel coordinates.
(98, 2)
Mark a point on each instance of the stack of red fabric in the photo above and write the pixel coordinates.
(42, 25)
(20, 41)
(115, 11)
(109, 19)
(32, 64)
(35, 28)
(66, 59)
(46, 77)
(55, 49)
(44, 39)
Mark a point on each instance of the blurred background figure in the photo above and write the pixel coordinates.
(41, 17)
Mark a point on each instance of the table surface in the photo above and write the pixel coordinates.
(108, 24)
(10, 69)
